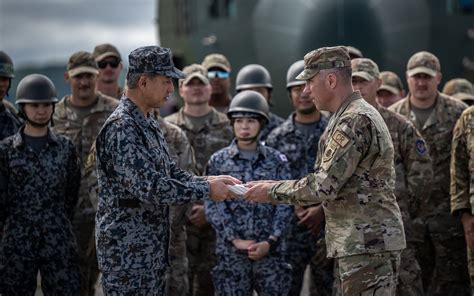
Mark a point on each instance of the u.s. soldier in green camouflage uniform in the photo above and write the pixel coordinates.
(208, 131)
(80, 116)
(354, 179)
(413, 170)
(442, 255)
(462, 181)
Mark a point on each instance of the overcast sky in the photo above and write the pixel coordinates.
(39, 32)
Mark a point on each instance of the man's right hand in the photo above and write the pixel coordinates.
(219, 189)
(468, 223)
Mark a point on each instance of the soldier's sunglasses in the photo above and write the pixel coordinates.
(103, 64)
(218, 74)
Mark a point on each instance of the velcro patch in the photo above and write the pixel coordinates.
(283, 158)
(420, 147)
(340, 138)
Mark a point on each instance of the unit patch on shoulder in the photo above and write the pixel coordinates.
(340, 138)
(330, 151)
(420, 147)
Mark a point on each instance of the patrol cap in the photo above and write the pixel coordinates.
(391, 82)
(153, 60)
(324, 58)
(6, 65)
(365, 69)
(292, 72)
(194, 71)
(216, 60)
(81, 62)
(465, 97)
(423, 62)
(458, 85)
(354, 52)
(105, 50)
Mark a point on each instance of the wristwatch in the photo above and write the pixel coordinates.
(273, 244)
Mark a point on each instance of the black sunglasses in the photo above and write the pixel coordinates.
(103, 64)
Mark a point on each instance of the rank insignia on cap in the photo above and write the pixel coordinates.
(420, 147)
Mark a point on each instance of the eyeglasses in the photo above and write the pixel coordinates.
(103, 64)
(218, 74)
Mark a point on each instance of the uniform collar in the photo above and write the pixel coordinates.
(234, 149)
(438, 113)
(103, 104)
(18, 140)
(131, 108)
(215, 119)
(347, 101)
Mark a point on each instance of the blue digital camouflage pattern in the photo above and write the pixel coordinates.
(273, 123)
(153, 60)
(238, 219)
(301, 151)
(137, 182)
(38, 193)
(9, 122)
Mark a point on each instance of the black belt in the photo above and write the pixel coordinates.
(129, 203)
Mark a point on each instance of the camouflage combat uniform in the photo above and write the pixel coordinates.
(444, 238)
(301, 152)
(205, 140)
(9, 121)
(182, 153)
(235, 273)
(273, 123)
(414, 177)
(354, 179)
(83, 132)
(462, 172)
(38, 192)
(137, 182)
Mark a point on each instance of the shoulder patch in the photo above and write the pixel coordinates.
(340, 138)
(420, 147)
(283, 157)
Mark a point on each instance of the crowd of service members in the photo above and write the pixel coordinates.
(49, 191)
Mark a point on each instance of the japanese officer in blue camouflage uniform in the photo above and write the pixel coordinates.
(9, 120)
(354, 179)
(138, 180)
(250, 237)
(39, 187)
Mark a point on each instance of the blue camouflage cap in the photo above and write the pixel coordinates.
(154, 60)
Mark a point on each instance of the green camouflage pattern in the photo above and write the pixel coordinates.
(324, 58)
(423, 62)
(442, 255)
(365, 68)
(216, 60)
(354, 179)
(391, 82)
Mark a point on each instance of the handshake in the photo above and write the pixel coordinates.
(225, 187)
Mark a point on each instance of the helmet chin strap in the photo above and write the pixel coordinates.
(34, 123)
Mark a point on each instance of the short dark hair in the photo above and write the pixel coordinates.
(132, 79)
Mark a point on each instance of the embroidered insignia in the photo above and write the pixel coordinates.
(340, 138)
(420, 147)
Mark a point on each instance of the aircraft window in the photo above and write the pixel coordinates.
(222, 9)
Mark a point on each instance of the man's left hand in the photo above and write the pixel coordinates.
(198, 216)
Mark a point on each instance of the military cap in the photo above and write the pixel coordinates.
(153, 60)
(354, 52)
(365, 68)
(81, 62)
(465, 97)
(458, 85)
(391, 82)
(105, 50)
(6, 65)
(423, 62)
(194, 71)
(324, 58)
(216, 60)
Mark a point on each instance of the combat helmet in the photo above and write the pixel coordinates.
(6, 65)
(295, 69)
(36, 88)
(253, 75)
(248, 103)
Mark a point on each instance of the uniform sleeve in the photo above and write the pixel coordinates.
(418, 167)
(460, 171)
(218, 213)
(4, 179)
(73, 180)
(283, 213)
(90, 175)
(120, 149)
(342, 153)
